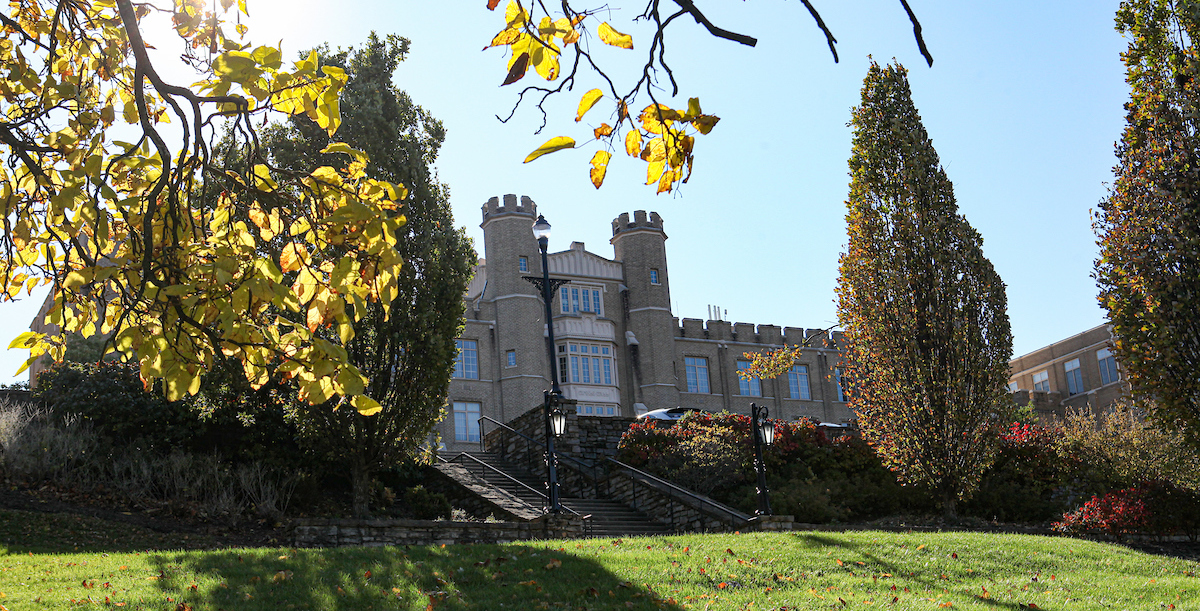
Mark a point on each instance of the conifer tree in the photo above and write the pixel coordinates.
(927, 334)
(1149, 226)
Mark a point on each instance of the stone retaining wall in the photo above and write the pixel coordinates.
(377, 533)
(682, 513)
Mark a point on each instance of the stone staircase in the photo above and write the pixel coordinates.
(608, 518)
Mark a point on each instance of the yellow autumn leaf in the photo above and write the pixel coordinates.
(610, 36)
(292, 257)
(633, 143)
(588, 100)
(552, 145)
(599, 167)
(602, 131)
(366, 405)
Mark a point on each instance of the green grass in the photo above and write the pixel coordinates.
(758, 571)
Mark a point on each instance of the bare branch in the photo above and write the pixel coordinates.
(916, 32)
(688, 6)
(821, 24)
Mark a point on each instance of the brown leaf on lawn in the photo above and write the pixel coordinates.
(553, 564)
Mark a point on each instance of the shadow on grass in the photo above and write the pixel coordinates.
(513, 576)
(928, 576)
(60, 533)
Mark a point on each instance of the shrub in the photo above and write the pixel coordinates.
(809, 476)
(1026, 483)
(1119, 449)
(1116, 513)
(425, 505)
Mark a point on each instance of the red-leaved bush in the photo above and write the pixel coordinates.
(1120, 512)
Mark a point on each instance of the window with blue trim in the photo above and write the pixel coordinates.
(466, 362)
(1074, 377)
(1108, 366)
(588, 363)
(575, 299)
(466, 421)
(696, 368)
(748, 387)
(798, 383)
(523, 264)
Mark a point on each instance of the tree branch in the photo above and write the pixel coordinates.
(688, 6)
(916, 32)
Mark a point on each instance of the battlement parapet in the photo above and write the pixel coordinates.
(510, 205)
(769, 335)
(640, 220)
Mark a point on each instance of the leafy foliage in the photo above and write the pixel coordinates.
(927, 334)
(536, 39)
(809, 475)
(140, 239)
(406, 347)
(1149, 226)
(1118, 449)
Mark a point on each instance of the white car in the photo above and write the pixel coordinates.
(670, 413)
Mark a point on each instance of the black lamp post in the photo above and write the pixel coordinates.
(556, 418)
(762, 430)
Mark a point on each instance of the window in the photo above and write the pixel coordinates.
(751, 387)
(1041, 381)
(586, 363)
(653, 276)
(1074, 377)
(596, 410)
(798, 383)
(1012, 387)
(841, 386)
(466, 421)
(696, 368)
(1108, 366)
(523, 264)
(575, 299)
(511, 356)
(466, 363)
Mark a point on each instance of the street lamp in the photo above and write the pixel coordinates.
(556, 418)
(762, 430)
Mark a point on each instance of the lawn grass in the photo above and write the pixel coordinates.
(798, 570)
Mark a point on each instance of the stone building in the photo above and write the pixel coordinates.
(620, 350)
(1079, 371)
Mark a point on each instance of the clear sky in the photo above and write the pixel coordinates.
(1023, 103)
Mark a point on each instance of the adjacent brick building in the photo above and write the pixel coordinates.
(620, 349)
(1079, 371)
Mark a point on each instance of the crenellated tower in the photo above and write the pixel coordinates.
(514, 305)
(640, 245)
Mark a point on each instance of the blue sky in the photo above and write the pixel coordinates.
(1023, 103)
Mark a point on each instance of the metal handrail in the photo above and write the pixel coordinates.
(505, 475)
(731, 512)
(579, 461)
(513, 479)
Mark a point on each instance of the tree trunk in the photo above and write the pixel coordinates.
(360, 478)
(950, 506)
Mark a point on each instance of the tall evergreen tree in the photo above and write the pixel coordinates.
(1149, 226)
(927, 333)
(409, 355)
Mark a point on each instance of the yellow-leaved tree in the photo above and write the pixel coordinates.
(118, 212)
(536, 38)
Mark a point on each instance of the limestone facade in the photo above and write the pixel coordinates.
(639, 355)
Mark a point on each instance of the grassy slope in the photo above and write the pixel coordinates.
(737, 571)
